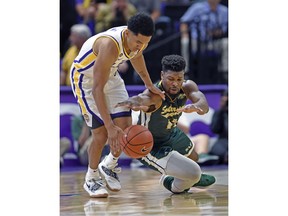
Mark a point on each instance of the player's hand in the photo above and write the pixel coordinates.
(156, 90)
(190, 108)
(113, 133)
(132, 105)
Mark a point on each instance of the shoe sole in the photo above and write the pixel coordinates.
(202, 187)
(103, 195)
(107, 185)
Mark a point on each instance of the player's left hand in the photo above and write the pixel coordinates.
(156, 90)
(189, 108)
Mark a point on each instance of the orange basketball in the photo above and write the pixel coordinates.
(138, 141)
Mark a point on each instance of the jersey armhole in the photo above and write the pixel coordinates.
(107, 36)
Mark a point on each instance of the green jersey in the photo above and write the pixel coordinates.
(163, 121)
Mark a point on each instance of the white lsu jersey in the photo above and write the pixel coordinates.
(85, 60)
(82, 78)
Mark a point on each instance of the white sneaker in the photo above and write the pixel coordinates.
(96, 188)
(109, 173)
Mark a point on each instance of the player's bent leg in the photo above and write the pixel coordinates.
(96, 147)
(94, 185)
(205, 180)
(108, 168)
(181, 173)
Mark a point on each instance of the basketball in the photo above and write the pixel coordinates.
(137, 141)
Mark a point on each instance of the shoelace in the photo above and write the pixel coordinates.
(96, 184)
(114, 168)
(100, 182)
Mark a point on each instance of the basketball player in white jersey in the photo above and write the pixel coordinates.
(98, 87)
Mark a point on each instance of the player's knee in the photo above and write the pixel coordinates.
(193, 173)
(99, 140)
(196, 174)
(182, 167)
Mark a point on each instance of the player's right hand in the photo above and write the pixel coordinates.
(156, 90)
(113, 133)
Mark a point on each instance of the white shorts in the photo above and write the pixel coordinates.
(114, 91)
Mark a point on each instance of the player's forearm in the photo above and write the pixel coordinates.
(199, 100)
(202, 103)
(135, 100)
(140, 67)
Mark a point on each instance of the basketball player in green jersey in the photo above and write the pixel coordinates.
(172, 154)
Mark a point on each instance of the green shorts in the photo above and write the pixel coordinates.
(177, 141)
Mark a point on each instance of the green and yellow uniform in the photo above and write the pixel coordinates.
(163, 125)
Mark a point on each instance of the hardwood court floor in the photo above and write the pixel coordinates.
(141, 194)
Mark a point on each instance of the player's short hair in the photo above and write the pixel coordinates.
(173, 63)
(141, 23)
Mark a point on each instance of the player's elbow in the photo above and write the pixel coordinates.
(205, 109)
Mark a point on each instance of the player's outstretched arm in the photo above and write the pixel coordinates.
(199, 102)
(146, 102)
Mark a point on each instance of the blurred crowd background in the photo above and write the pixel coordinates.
(195, 29)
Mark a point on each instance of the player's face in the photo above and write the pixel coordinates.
(137, 42)
(172, 81)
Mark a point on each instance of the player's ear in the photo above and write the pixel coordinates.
(126, 32)
(162, 74)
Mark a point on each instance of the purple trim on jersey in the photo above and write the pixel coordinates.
(113, 38)
(121, 114)
(72, 77)
(123, 44)
(84, 56)
(97, 118)
(84, 100)
(87, 67)
(80, 87)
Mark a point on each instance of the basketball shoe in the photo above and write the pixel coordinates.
(109, 173)
(167, 181)
(205, 181)
(96, 188)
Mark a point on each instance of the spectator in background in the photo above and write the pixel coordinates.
(115, 14)
(151, 7)
(207, 22)
(219, 125)
(86, 10)
(65, 145)
(83, 137)
(199, 132)
(79, 34)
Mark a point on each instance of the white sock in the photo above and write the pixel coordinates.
(92, 173)
(110, 159)
(174, 188)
